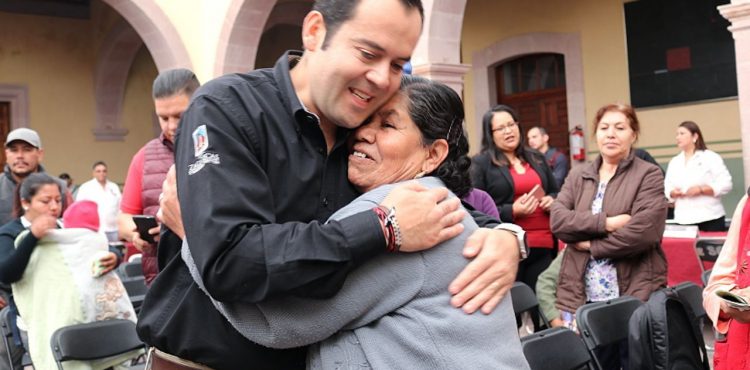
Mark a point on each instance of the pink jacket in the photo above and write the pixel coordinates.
(723, 273)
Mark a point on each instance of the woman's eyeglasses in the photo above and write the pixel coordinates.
(502, 128)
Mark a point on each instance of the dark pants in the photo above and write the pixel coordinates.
(530, 268)
(528, 272)
(713, 225)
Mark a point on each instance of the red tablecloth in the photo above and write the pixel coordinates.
(682, 261)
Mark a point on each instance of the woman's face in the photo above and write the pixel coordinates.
(505, 132)
(387, 149)
(614, 136)
(685, 139)
(47, 201)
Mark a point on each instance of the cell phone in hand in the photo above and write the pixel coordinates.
(143, 224)
(734, 300)
(537, 192)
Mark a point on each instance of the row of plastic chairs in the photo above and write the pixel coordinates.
(600, 324)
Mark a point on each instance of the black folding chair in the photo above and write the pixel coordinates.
(708, 249)
(524, 300)
(94, 341)
(605, 323)
(10, 345)
(556, 349)
(130, 269)
(136, 288)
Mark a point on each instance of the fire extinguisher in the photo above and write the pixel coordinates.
(577, 149)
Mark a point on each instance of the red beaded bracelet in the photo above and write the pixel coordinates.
(389, 225)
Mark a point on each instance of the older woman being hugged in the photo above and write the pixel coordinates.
(695, 181)
(510, 172)
(611, 214)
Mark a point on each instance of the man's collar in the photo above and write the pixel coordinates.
(297, 109)
(9, 174)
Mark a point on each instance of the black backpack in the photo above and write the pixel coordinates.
(664, 334)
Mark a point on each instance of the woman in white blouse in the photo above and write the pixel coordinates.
(695, 181)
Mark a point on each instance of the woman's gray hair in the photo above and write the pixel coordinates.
(438, 112)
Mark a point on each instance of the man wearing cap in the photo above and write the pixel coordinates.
(23, 156)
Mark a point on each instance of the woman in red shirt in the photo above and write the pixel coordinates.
(521, 183)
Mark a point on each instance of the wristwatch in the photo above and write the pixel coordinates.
(520, 235)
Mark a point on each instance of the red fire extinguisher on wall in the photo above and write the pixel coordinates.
(577, 149)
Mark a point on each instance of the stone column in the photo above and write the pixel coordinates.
(738, 13)
(447, 73)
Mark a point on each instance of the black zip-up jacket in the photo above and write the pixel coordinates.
(255, 186)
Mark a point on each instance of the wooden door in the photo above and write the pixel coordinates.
(534, 85)
(4, 126)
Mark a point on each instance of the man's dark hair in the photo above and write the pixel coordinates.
(438, 112)
(65, 176)
(97, 163)
(336, 12)
(542, 130)
(175, 81)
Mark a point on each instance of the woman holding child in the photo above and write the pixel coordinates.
(69, 267)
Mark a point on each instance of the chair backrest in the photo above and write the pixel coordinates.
(604, 323)
(708, 249)
(556, 349)
(524, 300)
(692, 294)
(135, 286)
(7, 333)
(94, 340)
(131, 269)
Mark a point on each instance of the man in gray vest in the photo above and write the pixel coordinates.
(171, 92)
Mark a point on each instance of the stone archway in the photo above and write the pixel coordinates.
(146, 24)
(240, 35)
(569, 45)
(113, 64)
(156, 30)
(438, 53)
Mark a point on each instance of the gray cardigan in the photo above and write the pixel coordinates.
(393, 312)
